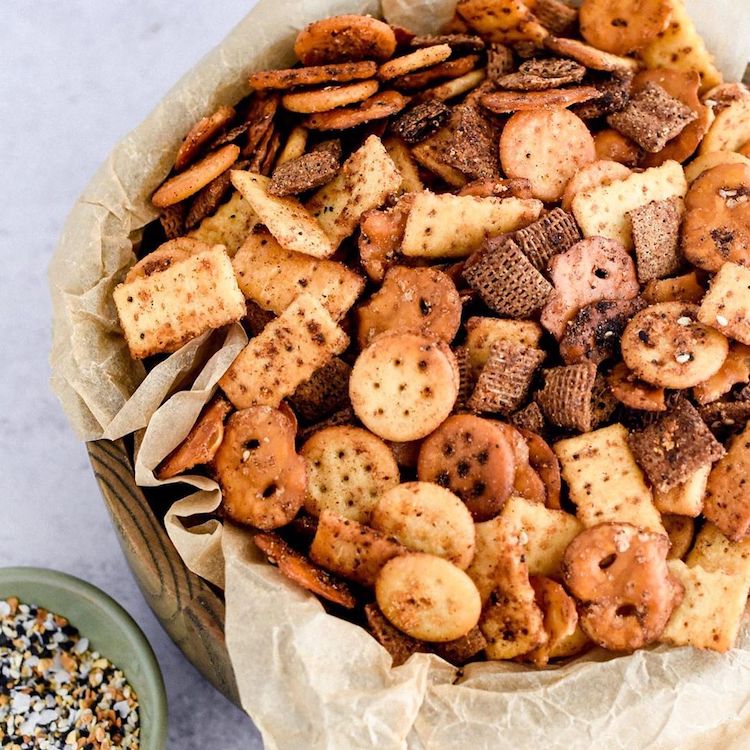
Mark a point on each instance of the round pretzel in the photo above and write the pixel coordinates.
(620, 578)
(261, 477)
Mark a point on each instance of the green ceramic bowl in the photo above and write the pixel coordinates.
(111, 631)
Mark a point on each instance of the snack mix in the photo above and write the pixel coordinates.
(496, 280)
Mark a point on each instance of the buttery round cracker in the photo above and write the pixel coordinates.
(600, 172)
(420, 58)
(680, 530)
(427, 597)
(530, 147)
(201, 134)
(348, 468)
(666, 346)
(403, 385)
(425, 517)
(623, 26)
(474, 459)
(312, 75)
(261, 477)
(591, 57)
(381, 105)
(344, 38)
(418, 299)
(502, 102)
(704, 162)
(189, 182)
(330, 97)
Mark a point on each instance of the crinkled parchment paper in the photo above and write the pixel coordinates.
(310, 680)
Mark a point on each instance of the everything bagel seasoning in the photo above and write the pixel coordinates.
(55, 692)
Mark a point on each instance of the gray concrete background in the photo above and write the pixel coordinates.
(76, 76)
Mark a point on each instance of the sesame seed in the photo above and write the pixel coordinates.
(682, 357)
(721, 320)
(684, 321)
(60, 694)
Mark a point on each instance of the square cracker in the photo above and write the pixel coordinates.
(603, 210)
(656, 236)
(482, 333)
(727, 501)
(453, 226)
(286, 218)
(605, 482)
(404, 161)
(162, 311)
(686, 498)
(434, 153)
(274, 277)
(726, 306)
(713, 551)
(544, 533)
(511, 621)
(680, 47)
(367, 178)
(229, 225)
(286, 353)
(711, 611)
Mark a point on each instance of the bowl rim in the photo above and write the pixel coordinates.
(126, 626)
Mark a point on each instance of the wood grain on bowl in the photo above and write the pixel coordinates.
(188, 608)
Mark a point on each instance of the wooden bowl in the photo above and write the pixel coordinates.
(189, 609)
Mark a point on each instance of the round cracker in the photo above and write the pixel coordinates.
(201, 134)
(623, 26)
(348, 468)
(473, 458)
(381, 105)
(665, 345)
(313, 75)
(712, 159)
(591, 57)
(345, 38)
(546, 147)
(189, 182)
(600, 172)
(403, 385)
(419, 299)
(680, 530)
(328, 98)
(425, 517)
(420, 58)
(427, 597)
(501, 102)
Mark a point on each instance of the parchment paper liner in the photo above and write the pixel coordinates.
(310, 680)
